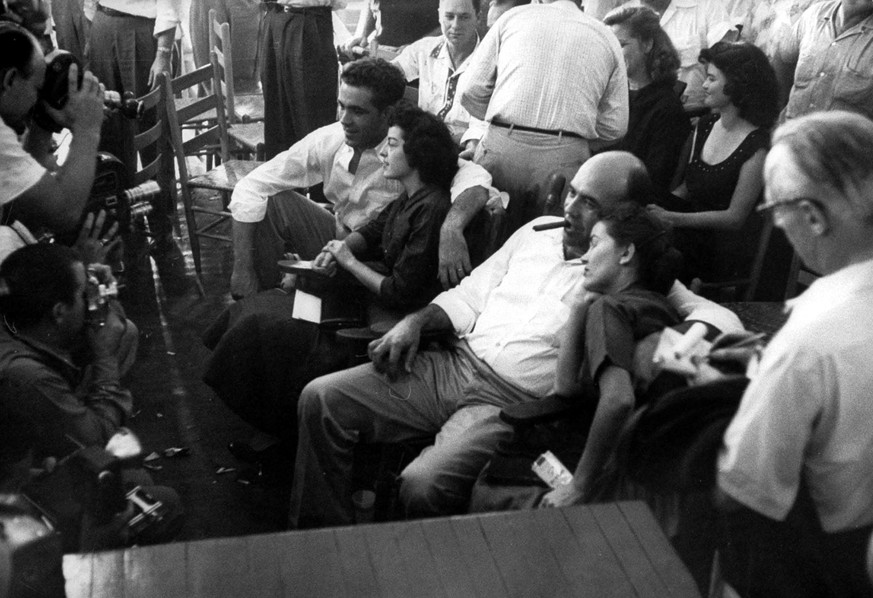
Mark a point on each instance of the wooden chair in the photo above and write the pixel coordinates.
(238, 107)
(212, 137)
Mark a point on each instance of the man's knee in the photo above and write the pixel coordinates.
(419, 490)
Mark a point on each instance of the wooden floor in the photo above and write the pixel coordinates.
(599, 551)
(174, 408)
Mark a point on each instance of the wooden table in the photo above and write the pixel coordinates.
(604, 550)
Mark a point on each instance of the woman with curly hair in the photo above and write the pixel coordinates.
(723, 178)
(657, 125)
(403, 241)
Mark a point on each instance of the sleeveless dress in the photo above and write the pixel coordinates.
(717, 255)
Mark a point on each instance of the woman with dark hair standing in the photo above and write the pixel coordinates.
(657, 126)
(723, 178)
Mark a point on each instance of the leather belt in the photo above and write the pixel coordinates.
(111, 12)
(276, 7)
(556, 133)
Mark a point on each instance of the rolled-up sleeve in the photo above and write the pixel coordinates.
(614, 107)
(300, 166)
(481, 75)
(168, 15)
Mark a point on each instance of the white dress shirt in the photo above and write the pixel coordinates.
(511, 308)
(551, 67)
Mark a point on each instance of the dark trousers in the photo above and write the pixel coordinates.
(766, 558)
(122, 50)
(243, 16)
(298, 74)
(71, 26)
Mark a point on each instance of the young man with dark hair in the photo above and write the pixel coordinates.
(270, 218)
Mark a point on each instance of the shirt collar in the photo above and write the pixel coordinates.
(346, 152)
(61, 358)
(685, 3)
(441, 52)
(828, 291)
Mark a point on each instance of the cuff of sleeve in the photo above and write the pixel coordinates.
(741, 489)
(164, 24)
(459, 313)
(245, 211)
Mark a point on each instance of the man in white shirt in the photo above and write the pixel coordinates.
(438, 63)
(798, 455)
(269, 218)
(550, 80)
(506, 317)
(29, 192)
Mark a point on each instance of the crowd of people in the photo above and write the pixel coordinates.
(677, 134)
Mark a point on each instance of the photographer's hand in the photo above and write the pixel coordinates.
(83, 112)
(93, 246)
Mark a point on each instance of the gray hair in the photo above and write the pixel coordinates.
(835, 150)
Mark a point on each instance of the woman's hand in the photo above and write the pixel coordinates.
(563, 496)
(325, 263)
(341, 253)
(661, 213)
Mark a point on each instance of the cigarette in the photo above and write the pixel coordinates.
(551, 225)
(694, 335)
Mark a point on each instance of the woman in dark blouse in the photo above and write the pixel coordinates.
(403, 242)
(657, 126)
(629, 267)
(723, 178)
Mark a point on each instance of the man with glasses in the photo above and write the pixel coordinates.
(797, 462)
(505, 317)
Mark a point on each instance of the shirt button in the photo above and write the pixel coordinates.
(821, 74)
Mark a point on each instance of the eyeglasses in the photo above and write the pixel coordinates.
(769, 207)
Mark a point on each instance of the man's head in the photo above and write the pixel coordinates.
(602, 182)
(44, 285)
(458, 20)
(22, 71)
(496, 8)
(819, 188)
(368, 89)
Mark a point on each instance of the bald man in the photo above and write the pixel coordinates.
(505, 318)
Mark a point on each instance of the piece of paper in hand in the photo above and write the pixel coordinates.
(307, 307)
(676, 352)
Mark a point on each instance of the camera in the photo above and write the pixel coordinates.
(99, 294)
(55, 89)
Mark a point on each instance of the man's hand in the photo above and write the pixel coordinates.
(356, 41)
(83, 112)
(563, 496)
(105, 338)
(397, 347)
(91, 245)
(160, 65)
(469, 149)
(243, 282)
(454, 258)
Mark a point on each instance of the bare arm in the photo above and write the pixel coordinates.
(746, 193)
(613, 408)
(454, 255)
(571, 352)
(57, 201)
(243, 279)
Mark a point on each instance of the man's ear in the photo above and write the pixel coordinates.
(59, 312)
(816, 218)
(627, 255)
(8, 78)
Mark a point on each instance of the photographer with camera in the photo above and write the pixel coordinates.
(64, 345)
(32, 190)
